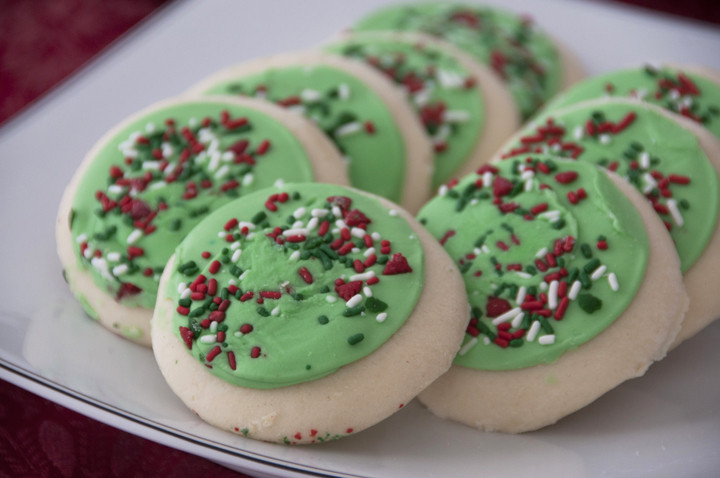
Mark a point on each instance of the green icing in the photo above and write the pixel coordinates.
(308, 324)
(126, 189)
(444, 95)
(660, 158)
(342, 106)
(685, 93)
(508, 228)
(513, 46)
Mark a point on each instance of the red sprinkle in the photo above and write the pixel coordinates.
(213, 353)
(255, 352)
(566, 177)
(187, 336)
(306, 275)
(231, 359)
(214, 267)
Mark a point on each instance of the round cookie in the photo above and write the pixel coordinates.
(149, 180)
(689, 91)
(363, 113)
(573, 290)
(465, 108)
(674, 162)
(534, 66)
(312, 310)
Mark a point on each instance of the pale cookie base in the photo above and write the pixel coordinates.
(702, 278)
(358, 395)
(522, 400)
(501, 116)
(418, 149)
(573, 69)
(134, 322)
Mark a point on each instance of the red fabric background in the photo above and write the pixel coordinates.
(41, 43)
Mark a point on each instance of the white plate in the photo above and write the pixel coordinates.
(664, 424)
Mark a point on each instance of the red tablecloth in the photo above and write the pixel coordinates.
(41, 43)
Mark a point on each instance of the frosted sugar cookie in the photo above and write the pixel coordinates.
(573, 290)
(148, 181)
(692, 92)
(465, 108)
(306, 313)
(672, 161)
(534, 66)
(362, 112)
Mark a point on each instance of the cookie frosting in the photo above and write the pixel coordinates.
(512, 45)
(551, 254)
(348, 111)
(658, 156)
(441, 90)
(683, 92)
(289, 284)
(159, 175)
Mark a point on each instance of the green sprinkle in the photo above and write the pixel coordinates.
(465, 267)
(375, 305)
(559, 224)
(355, 339)
(585, 280)
(185, 302)
(325, 289)
(353, 311)
(323, 319)
(259, 217)
(545, 325)
(586, 251)
(476, 312)
(516, 343)
(589, 303)
(591, 266)
(263, 311)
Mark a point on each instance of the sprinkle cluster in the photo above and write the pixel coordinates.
(162, 173)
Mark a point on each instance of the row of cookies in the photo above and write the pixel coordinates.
(528, 270)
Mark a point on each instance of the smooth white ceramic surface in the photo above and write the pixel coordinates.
(664, 424)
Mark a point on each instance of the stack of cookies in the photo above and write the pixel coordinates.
(259, 233)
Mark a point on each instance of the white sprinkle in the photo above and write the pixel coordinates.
(113, 256)
(337, 212)
(442, 190)
(598, 273)
(485, 249)
(340, 223)
(297, 109)
(674, 94)
(644, 160)
(208, 339)
(442, 134)
(369, 252)
(101, 265)
(393, 212)
(449, 79)
(675, 212)
(547, 339)
(170, 168)
(224, 169)
(517, 320)
(381, 317)
(612, 280)
(81, 238)
(422, 97)
(604, 139)
(375, 236)
(134, 236)
(364, 276)
(470, 344)
(553, 295)
(157, 185)
(235, 245)
(477, 251)
(154, 165)
(222, 234)
(532, 333)
(312, 223)
(181, 287)
(354, 250)
(214, 161)
(310, 96)
(186, 293)
(249, 225)
(120, 269)
(150, 127)
(343, 91)
(236, 255)
(243, 275)
(487, 179)
(455, 116)
(295, 232)
(574, 290)
(357, 232)
(552, 216)
(529, 174)
(506, 316)
(486, 340)
(542, 252)
(232, 282)
(578, 132)
(524, 275)
(367, 291)
(299, 212)
(279, 183)
(330, 298)
(650, 183)
(522, 292)
(275, 311)
(295, 255)
(298, 224)
(227, 156)
(248, 179)
(115, 189)
(319, 212)
(354, 300)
